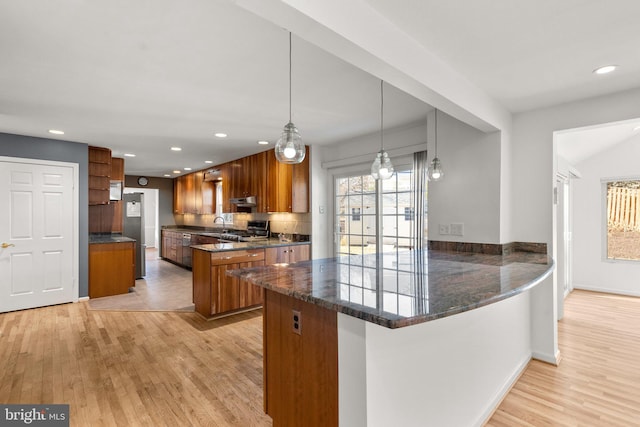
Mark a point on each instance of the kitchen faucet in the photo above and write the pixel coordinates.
(222, 218)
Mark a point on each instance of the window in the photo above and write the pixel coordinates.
(623, 219)
(355, 213)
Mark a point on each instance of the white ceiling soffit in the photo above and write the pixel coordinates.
(528, 54)
(576, 145)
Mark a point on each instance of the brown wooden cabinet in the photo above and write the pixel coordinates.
(287, 185)
(287, 254)
(99, 175)
(277, 187)
(172, 246)
(114, 209)
(214, 292)
(111, 268)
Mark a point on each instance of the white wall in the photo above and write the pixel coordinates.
(591, 271)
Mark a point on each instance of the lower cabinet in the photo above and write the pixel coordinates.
(287, 254)
(111, 268)
(214, 292)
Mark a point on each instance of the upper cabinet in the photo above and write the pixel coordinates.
(287, 185)
(99, 175)
(277, 187)
(192, 195)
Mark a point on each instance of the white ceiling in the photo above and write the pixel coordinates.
(144, 76)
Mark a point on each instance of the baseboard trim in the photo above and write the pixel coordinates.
(606, 290)
(504, 391)
(547, 358)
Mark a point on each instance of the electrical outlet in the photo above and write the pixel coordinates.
(321, 209)
(297, 322)
(457, 229)
(444, 229)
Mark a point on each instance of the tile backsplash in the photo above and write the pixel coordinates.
(279, 222)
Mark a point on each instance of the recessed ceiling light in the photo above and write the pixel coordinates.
(166, 174)
(187, 169)
(56, 132)
(176, 149)
(605, 70)
(177, 171)
(221, 135)
(129, 155)
(263, 142)
(208, 161)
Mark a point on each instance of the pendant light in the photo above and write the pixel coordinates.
(289, 148)
(435, 172)
(382, 167)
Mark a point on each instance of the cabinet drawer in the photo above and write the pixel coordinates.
(232, 257)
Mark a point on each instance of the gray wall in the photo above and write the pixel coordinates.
(165, 196)
(62, 151)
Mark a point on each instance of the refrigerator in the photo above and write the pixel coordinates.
(133, 227)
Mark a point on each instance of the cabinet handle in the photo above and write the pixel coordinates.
(291, 251)
(226, 257)
(254, 255)
(284, 252)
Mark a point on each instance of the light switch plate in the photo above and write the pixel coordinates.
(457, 229)
(444, 229)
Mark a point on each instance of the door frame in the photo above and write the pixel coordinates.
(75, 238)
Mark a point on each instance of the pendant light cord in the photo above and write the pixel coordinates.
(381, 115)
(436, 133)
(289, 76)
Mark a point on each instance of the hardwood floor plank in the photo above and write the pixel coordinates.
(598, 380)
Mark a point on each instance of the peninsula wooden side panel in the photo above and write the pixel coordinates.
(111, 268)
(300, 370)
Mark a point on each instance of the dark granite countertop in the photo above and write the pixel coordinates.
(236, 246)
(416, 286)
(109, 238)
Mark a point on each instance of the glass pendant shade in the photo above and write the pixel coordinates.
(382, 167)
(289, 148)
(435, 172)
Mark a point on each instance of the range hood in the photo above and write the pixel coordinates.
(244, 202)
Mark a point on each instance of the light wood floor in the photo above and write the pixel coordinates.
(176, 369)
(165, 287)
(119, 368)
(598, 380)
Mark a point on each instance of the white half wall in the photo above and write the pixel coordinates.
(592, 270)
(448, 372)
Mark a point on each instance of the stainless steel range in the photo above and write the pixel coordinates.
(256, 231)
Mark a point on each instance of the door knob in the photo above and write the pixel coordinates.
(6, 245)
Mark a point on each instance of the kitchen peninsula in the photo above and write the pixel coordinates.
(217, 294)
(408, 338)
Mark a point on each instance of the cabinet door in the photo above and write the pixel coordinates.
(166, 244)
(226, 289)
(298, 253)
(250, 294)
(178, 196)
(197, 178)
(189, 193)
(208, 196)
(300, 186)
(278, 185)
(225, 173)
(258, 179)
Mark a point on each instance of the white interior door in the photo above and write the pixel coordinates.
(38, 264)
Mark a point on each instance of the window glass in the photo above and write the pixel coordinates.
(623, 219)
